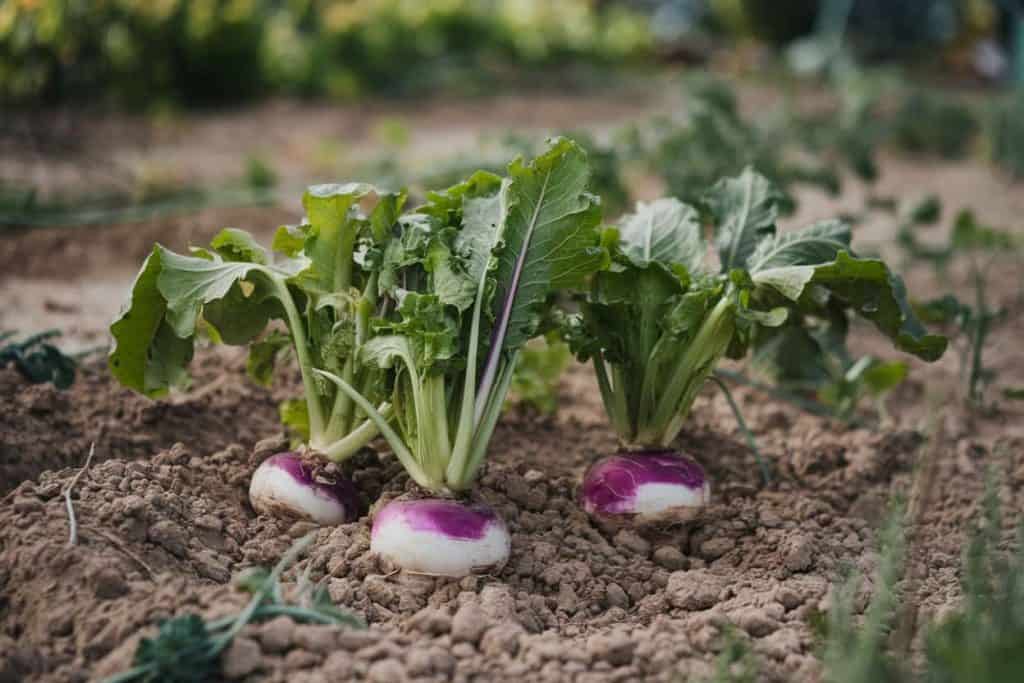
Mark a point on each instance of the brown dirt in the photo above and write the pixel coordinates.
(165, 525)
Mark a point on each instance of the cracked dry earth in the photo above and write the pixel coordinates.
(165, 524)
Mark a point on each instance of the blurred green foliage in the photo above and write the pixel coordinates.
(149, 52)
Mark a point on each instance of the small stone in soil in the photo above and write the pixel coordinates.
(241, 658)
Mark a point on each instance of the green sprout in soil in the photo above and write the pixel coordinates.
(980, 642)
(37, 360)
(187, 649)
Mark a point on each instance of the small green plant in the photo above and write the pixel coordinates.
(37, 360)
(715, 141)
(982, 642)
(855, 653)
(736, 663)
(927, 123)
(660, 297)
(187, 649)
(982, 246)
(259, 174)
(1006, 134)
(538, 373)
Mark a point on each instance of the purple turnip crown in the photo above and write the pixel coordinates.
(440, 537)
(285, 485)
(648, 484)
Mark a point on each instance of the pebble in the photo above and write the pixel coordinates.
(695, 589)
(276, 634)
(631, 540)
(386, 671)
(241, 658)
(616, 596)
(670, 557)
(798, 553)
(468, 624)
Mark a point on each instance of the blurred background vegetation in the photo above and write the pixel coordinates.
(151, 53)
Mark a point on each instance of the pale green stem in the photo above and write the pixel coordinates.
(432, 428)
(298, 330)
(341, 419)
(464, 432)
(482, 436)
(357, 438)
(689, 374)
(390, 435)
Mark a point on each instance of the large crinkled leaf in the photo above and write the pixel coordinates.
(868, 288)
(818, 243)
(237, 245)
(449, 280)
(745, 209)
(483, 220)
(146, 355)
(188, 283)
(664, 231)
(334, 227)
(431, 333)
(385, 351)
(447, 205)
(154, 335)
(549, 240)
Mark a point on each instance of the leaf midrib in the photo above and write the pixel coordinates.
(748, 192)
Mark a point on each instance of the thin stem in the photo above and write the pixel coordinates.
(979, 333)
(358, 438)
(72, 520)
(685, 381)
(467, 414)
(298, 330)
(747, 434)
(808, 406)
(482, 437)
(394, 440)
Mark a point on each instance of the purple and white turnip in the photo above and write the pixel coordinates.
(645, 486)
(286, 485)
(440, 537)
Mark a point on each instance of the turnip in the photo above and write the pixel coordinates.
(470, 278)
(440, 537)
(321, 281)
(656, 323)
(648, 486)
(286, 485)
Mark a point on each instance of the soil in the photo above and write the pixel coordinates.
(164, 522)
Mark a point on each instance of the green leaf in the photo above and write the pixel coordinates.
(431, 333)
(182, 652)
(664, 231)
(537, 375)
(237, 245)
(448, 205)
(334, 220)
(449, 281)
(294, 413)
(881, 377)
(550, 238)
(866, 286)
(147, 355)
(744, 209)
(188, 283)
(290, 239)
(818, 243)
(244, 312)
(483, 220)
(263, 357)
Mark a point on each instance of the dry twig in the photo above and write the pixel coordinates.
(72, 521)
